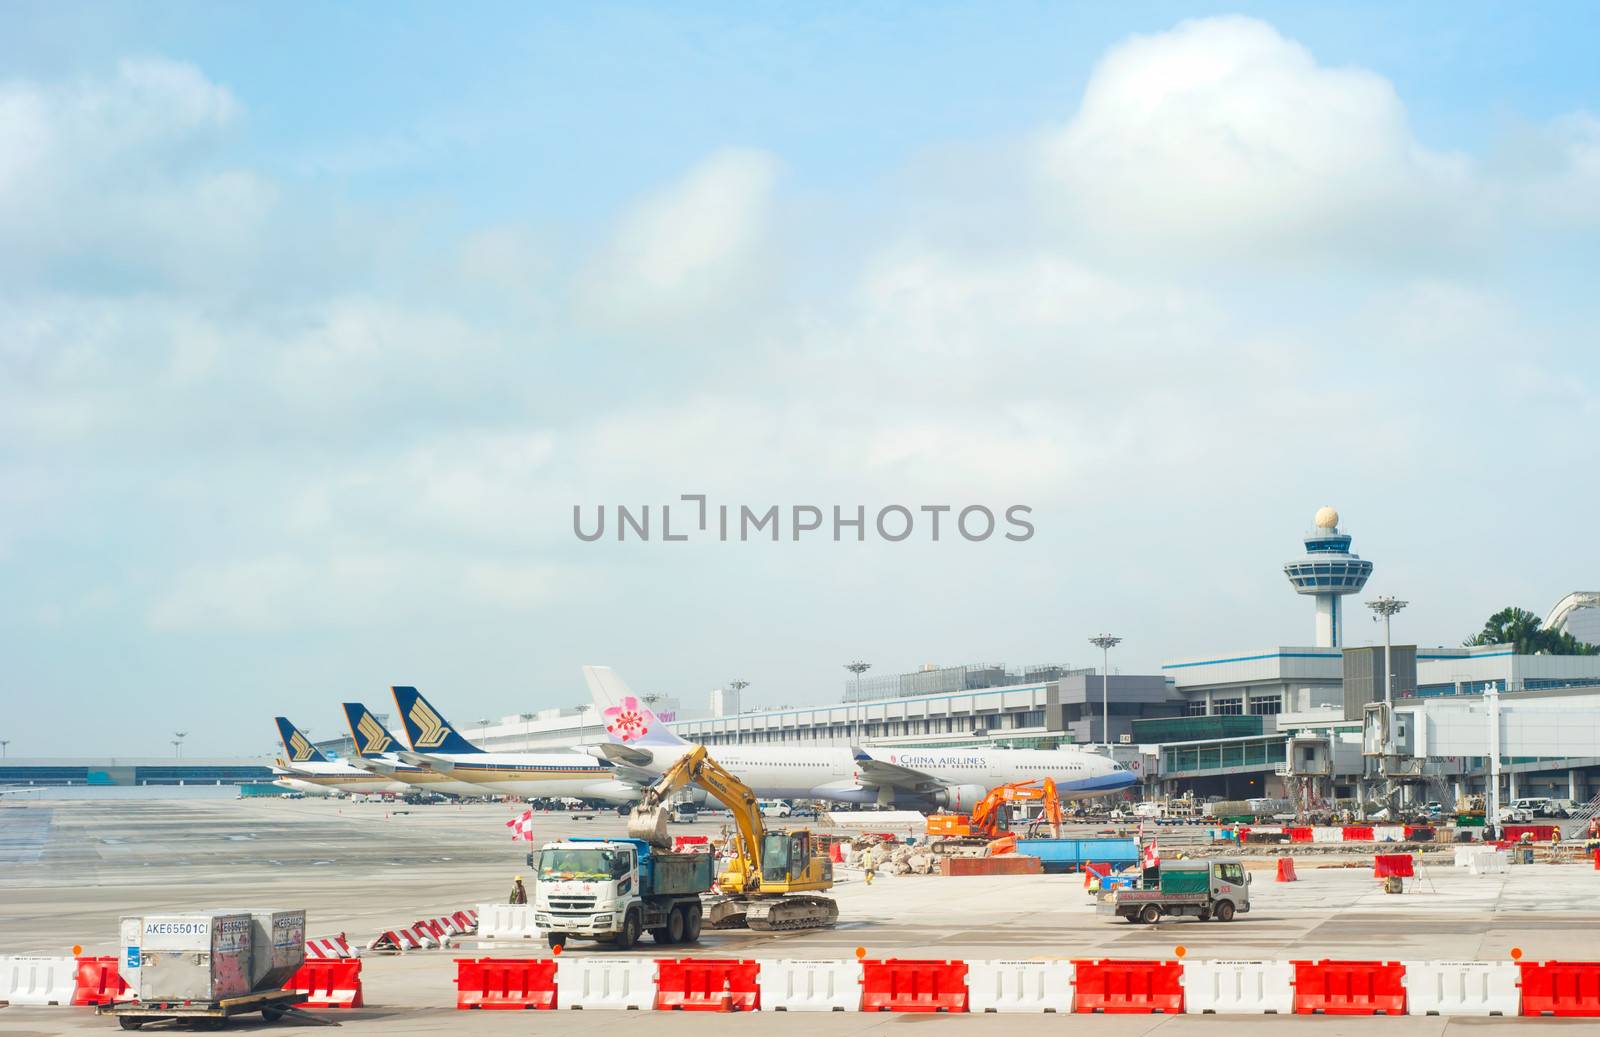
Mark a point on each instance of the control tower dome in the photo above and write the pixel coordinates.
(1328, 572)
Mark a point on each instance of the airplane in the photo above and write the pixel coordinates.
(642, 747)
(305, 769)
(376, 752)
(436, 745)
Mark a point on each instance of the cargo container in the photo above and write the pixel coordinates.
(277, 944)
(193, 956)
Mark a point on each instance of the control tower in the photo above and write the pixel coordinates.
(1328, 572)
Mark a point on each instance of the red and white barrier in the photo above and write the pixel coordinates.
(426, 933)
(320, 947)
(1331, 987)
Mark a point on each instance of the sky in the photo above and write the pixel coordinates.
(317, 323)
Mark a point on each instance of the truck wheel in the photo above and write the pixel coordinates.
(128, 1022)
(629, 935)
(661, 936)
(691, 923)
(271, 1014)
(1225, 911)
(676, 925)
(557, 941)
(1150, 914)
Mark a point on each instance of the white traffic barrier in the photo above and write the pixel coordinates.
(800, 985)
(38, 981)
(1464, 854)
(1327, 834)
(605, 983)
(1489, 862)
(1018, 986)
(1389, 833)
(1238, 987)
(506, 922)
(1462, 988)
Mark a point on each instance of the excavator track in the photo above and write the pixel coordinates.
(795, 911)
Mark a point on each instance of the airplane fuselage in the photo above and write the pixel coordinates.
(834, 772)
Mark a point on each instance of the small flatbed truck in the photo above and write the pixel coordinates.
(1207, 889)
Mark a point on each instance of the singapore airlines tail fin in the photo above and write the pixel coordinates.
(628, 720)
(426, 727)
(367, 732)
(297, 747)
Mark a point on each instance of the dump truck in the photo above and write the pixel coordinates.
(614, 890)
(1208, 889)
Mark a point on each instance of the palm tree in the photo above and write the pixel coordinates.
(1522, 629)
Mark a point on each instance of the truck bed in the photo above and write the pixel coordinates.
(1155, 896)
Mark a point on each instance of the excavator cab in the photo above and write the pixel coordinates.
(788, 864)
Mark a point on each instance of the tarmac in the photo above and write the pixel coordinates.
(69, 870)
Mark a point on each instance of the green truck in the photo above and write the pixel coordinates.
(1210, 889)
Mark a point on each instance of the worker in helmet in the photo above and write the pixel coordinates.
(519, 895)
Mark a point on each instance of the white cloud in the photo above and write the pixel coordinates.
(342, 590)
(1222, 135)
(688, 249)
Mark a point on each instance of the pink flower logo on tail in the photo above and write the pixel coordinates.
(627, 721)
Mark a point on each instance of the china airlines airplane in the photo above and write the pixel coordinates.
(439, 747)
(642, 748)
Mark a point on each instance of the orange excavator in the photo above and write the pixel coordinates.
(989, 821)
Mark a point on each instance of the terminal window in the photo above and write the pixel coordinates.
(1227, 707)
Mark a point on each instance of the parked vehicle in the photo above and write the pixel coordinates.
(617, 889)
(1209, 889)
(775, 808)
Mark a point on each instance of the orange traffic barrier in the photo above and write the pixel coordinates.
(911, 985)
(505, 983)
(1127, 987)
(1286, 870)
(98, 982)
(328, 983)
(707, 984)
(1349, 988)
(1560, 988)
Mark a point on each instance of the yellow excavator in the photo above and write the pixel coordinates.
(773, 878)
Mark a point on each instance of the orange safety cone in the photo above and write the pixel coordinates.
(1597, 860)
(1286, 870)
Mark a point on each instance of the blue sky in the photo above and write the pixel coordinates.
(316, 323)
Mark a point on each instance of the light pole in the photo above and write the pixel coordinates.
(738, 687)
(3, 743)
(177, 742)
(583, 710)
(1105, 642)
(856, 667)
(1387, 607)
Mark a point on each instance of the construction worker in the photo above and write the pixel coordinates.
(869, 864)
(519, 895)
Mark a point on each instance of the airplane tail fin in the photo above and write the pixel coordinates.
(426, 728)
(628, 720)
(297, 746)
(367, 732)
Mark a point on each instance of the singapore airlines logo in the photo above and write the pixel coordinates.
(300, 748)
(431, 729)
(373, 739)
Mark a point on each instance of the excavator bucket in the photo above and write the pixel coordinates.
(650, 824)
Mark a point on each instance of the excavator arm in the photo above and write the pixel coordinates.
(696, 767)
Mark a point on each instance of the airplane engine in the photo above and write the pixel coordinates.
(960, 797)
